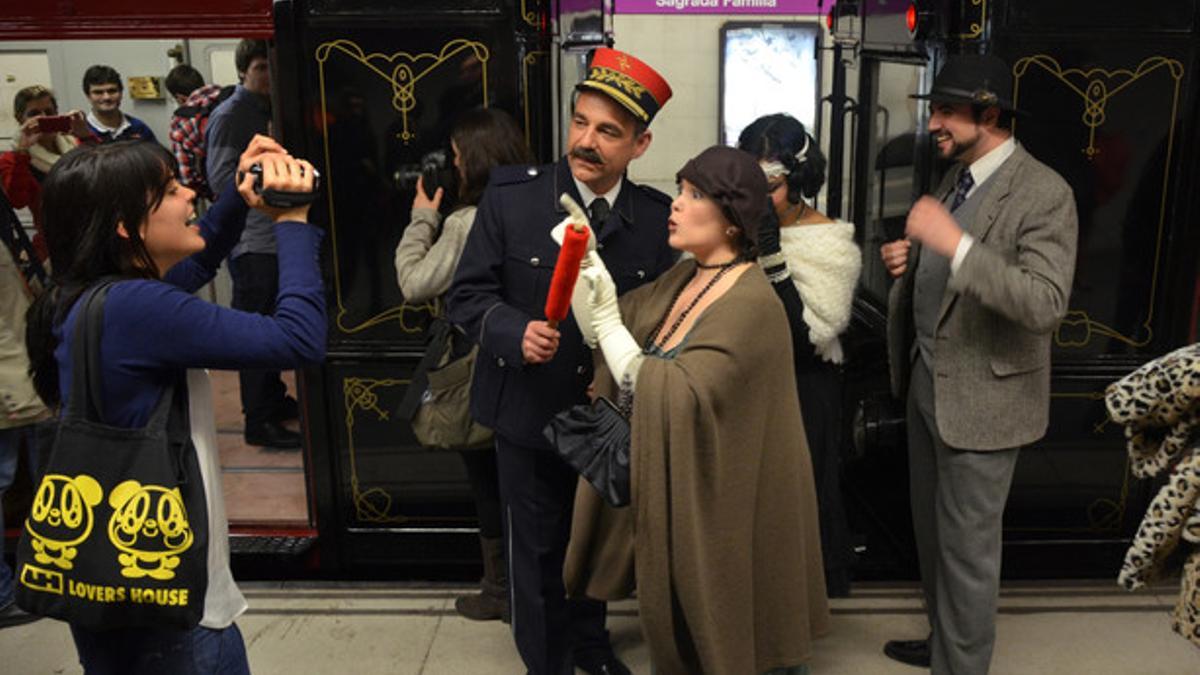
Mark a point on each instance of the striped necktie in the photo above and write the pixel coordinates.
(965, 182)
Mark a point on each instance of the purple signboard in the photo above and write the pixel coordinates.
(719, 6)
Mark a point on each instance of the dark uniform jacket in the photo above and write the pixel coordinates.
(504, 277)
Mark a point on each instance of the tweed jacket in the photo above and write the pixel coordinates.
(991, 370)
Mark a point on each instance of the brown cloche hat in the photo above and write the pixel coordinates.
(733, 179)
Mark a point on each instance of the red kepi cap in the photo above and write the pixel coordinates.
(634, 85)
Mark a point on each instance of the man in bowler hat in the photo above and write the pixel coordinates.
(528, 371)
(983, 278)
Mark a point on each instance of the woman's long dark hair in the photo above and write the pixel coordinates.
(85, 196)
(781, 137)
(486, 138)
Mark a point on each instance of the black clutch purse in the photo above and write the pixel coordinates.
(594, 440)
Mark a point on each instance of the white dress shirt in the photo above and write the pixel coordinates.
(981, 170)
(588, 196)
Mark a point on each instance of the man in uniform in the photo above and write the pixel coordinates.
(983, 280)
(528, 371)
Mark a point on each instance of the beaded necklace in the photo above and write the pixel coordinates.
(722, 268)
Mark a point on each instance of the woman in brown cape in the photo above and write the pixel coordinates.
(721, 534)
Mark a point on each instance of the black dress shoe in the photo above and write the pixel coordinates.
(912, 652)
(12, 615)
(606, 665)
(272, 435)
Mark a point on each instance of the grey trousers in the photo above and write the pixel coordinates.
(957, 506)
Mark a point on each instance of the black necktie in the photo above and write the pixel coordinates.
(599, 212)
(965, 182)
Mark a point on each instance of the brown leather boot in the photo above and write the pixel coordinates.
(491, 602)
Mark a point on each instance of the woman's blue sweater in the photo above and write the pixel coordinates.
(155, 329)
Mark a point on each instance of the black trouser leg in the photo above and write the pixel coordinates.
(538, 493)
(484, 477)
(255, 287)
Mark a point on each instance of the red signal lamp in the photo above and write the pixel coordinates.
(829, 17)
(920, 20)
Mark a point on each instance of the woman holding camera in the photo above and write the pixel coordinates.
(118, 210)
(425, 262)
(42, 140)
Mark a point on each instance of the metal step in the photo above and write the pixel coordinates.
(270, 545)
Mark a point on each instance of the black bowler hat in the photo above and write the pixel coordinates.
(976, 79)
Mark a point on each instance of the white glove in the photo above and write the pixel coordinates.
(580, 304)
(581, 307)
(575, 214)
(621, 351)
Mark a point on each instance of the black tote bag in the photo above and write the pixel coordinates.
(118, 532)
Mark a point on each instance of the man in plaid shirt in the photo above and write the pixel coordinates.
(188, 123)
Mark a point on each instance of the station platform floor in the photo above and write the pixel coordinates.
(1050, 628)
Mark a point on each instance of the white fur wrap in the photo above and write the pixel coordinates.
(824, 263)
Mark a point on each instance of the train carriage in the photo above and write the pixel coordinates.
(367, 89)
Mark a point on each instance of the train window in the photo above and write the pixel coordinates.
(891, 176)
(768, 68)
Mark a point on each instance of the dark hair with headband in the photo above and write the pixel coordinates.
(782, 138)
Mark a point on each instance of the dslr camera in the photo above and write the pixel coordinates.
(436, 170)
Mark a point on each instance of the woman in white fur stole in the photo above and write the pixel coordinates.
(813, 263)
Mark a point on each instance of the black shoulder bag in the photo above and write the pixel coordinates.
(595, 441)
(118, 532)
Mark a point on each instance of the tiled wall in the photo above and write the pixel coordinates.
(686, 50)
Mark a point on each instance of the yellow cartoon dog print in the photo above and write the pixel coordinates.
(149, 525)
(61, 517)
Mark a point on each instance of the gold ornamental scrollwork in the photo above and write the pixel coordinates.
(402, 71)
(372, 505)
(527, 64)
(1096, 87)
(405, 74)
(975, 27)
(529, 15)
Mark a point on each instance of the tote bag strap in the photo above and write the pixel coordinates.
(87, 394)
(439, 336)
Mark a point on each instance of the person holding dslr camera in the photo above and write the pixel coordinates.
(425, 262)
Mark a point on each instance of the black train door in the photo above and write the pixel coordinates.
(369, 90)
(1108, 91)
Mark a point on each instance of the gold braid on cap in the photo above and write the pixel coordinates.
(625, 82)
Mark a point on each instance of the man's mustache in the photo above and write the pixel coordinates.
(587, 155)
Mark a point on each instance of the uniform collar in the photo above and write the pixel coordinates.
(588, 196)
(564, 181)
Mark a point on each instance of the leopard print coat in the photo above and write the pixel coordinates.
(1159, 405)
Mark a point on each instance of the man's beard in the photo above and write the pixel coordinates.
(960, 148)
